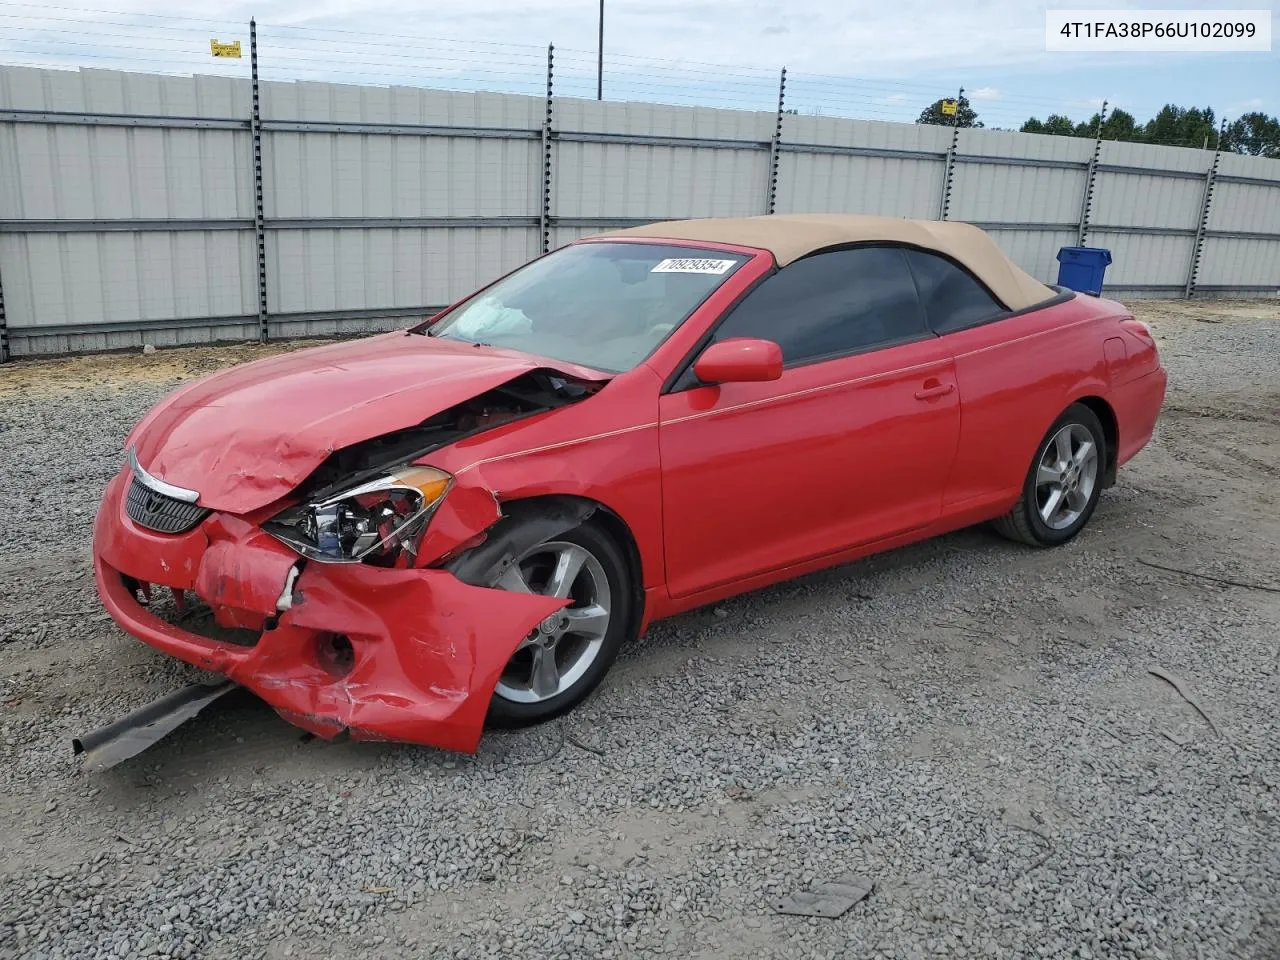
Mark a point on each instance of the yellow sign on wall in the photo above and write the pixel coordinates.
(948, 106)
(231, 49)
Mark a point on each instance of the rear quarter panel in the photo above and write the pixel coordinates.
(1015, 377)
(1137, 404)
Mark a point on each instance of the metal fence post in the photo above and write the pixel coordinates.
(775, 146)
(600, 57)
(948, 173)
(4, 327)
(1086, 204)
(259, 221)
(544, 216)
(1210, 180)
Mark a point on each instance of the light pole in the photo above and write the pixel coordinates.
(600, 57)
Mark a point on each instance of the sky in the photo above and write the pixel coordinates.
(884, 61)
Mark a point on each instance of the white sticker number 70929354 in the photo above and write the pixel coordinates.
(693, 265)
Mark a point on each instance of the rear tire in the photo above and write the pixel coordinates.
(1063, 483)
(556, 668)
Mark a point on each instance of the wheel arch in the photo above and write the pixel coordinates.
(544, 516)
(1017, 524)
(1110, 434)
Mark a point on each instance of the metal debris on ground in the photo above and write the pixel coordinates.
(130, 735)
(827, 900)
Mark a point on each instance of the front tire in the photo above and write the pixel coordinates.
(566, 656)
(1063, 483)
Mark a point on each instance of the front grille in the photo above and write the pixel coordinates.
(157, 512)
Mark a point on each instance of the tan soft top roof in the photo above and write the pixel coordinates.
(790, 236)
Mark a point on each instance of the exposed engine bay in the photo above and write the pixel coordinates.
(532, 393)
(368, 503)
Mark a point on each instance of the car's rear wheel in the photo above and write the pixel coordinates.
(1063, 483)
(567, 655)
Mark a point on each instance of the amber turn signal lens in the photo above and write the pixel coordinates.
(430, 482)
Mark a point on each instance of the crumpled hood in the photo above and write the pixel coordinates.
(247, 436)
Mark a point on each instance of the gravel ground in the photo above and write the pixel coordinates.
(969, 723)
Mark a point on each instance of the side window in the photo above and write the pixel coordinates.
(952, 298)
(832, 303)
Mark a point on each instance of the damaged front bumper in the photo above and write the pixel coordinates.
(387, 654)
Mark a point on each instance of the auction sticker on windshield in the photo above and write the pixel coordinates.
(693, 265)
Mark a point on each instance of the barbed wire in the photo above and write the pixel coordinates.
(62, 36)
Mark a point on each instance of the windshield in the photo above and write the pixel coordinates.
(601, 305)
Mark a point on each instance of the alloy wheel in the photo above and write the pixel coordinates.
(556, 654)
(1066, 475)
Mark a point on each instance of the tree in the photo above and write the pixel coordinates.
(1255, 134)
(965, 116)
(1119, 125)
(1057, 125)
(1181, 127)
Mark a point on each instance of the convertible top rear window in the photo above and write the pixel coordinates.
(601, 305)
(952, 298)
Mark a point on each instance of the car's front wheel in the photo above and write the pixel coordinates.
(567, 655)
(1063, 483)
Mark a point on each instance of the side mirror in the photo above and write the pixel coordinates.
(739, 360)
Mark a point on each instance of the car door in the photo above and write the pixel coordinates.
(853, 444)
(1011, 371)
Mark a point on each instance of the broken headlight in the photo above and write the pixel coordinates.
(379, 522)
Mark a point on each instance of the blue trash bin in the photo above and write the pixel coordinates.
(1082, 268)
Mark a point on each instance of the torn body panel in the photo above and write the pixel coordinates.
(212, 436)
(387, 654)
(242, 579)
(604, 451)
(411, 652)
(524, 525)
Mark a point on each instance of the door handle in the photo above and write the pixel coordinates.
(934, 388)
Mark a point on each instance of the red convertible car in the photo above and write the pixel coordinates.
(406, 535)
